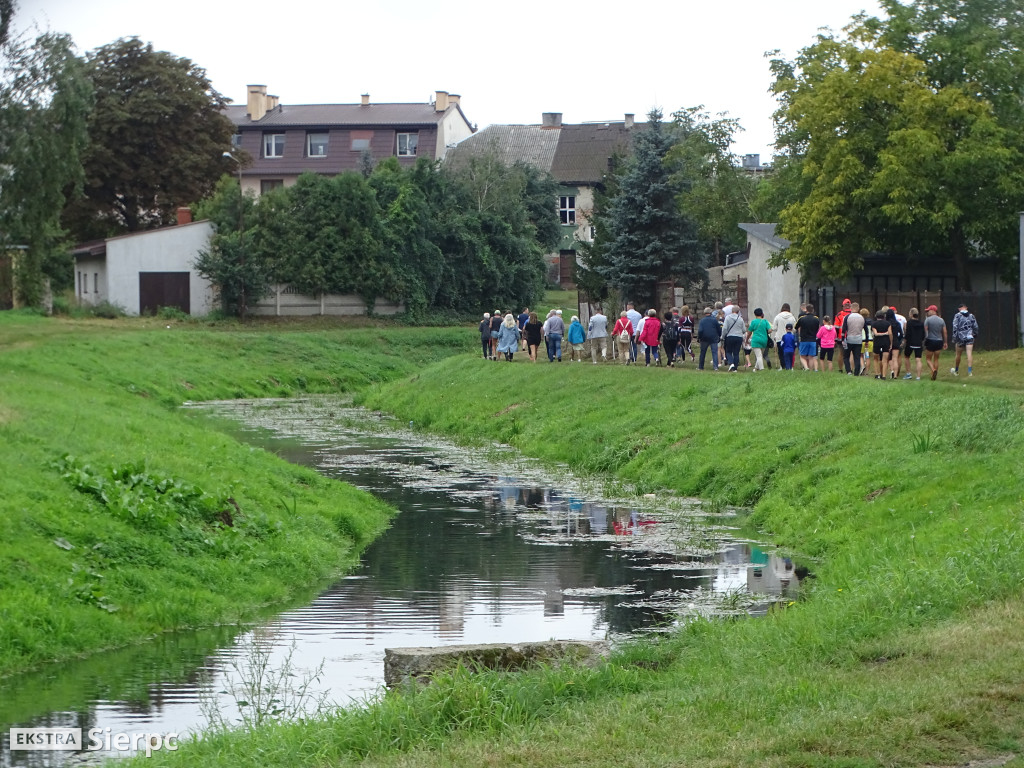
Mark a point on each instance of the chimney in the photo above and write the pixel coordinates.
(272, 102)
(184, 216)
(551, 120)
(453, 98)
(257, 102)
(629, 119)
(365, 100)
(441, 101)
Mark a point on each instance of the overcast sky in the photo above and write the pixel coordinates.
(509, 61)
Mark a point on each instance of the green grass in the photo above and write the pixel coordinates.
(87, 562)
(567, 301)
(904, 498)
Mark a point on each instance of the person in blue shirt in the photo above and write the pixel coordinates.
(788, 347)
(577, 336)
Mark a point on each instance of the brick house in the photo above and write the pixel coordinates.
(287, 140)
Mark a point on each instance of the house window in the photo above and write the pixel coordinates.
(567, 209)
(361, 140)
(273, 144)
(236, 140)
(95, 282)
(83, 285)
(407, 144)
(266, 185)
(316, 145)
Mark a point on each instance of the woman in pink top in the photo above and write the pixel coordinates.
(650, 335)
(826, 342)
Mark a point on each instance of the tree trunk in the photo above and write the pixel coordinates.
(958, 248)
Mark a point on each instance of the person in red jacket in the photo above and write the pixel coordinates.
(840, 335)
(650, 336)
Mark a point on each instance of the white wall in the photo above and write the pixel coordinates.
(450, 130)
(91, 280)
(769, 288)
(171, 249)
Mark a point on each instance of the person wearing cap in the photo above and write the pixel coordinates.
(935, 339)
(965, 331)
(788, 345)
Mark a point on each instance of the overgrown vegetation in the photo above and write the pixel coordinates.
(434, 239)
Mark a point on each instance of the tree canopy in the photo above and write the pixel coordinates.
(427, 237)
(649, 237)
(157, 135)
(44, 100)
(713, 190)
(906, 137)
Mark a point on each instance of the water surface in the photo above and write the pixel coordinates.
(487, 547)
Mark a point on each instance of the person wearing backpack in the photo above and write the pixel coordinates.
(623, 333)
(734, 329)
(670, 337)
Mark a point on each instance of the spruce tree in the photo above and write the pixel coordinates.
(650, 239)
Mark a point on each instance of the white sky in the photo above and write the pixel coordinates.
(509, 61)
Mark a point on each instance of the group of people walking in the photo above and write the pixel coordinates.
(882, 343)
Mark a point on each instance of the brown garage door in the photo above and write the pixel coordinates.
(163, 289)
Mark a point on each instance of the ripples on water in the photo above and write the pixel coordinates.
(488, 547)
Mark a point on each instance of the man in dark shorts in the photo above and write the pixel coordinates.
(935, 339)
(914, 342)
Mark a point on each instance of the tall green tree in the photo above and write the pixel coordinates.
(899, 153)
(651, 239)
(157, 134)
(44, 99)
(236, 260)
(714, 191)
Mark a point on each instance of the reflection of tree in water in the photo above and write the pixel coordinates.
(138, 680)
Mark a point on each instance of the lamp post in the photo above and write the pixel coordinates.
(241, 236)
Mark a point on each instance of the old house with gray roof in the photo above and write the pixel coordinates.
(286, 140)
(578, 156)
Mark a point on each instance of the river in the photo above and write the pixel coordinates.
(488, 547)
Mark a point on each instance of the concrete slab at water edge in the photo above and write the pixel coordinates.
(404, 664)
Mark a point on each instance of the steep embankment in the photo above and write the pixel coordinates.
(124, 515)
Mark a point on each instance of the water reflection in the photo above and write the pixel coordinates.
(477, 555)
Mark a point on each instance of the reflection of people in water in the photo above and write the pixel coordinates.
(508, 492)
(627, 522)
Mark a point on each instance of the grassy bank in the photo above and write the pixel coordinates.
(903, 497)
(124, 516)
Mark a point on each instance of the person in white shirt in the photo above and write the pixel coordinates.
(784, 318)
